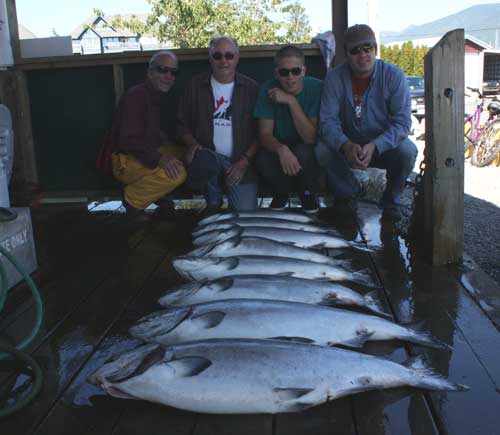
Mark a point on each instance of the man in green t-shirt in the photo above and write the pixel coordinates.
(287, 110)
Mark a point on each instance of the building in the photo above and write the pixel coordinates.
(475, 50)
(98, 35)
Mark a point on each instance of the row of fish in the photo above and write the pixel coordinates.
(252, 332)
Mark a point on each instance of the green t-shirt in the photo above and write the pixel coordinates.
(284, 129)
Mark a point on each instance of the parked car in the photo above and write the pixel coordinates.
(416, 85)
(491, 87)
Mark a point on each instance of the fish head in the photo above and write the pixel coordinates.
(216, 226)
(132, 374)
(186, 264)
(202, 251)
(212, 249)
(156, 325)
(185, 291)
(126, 366)
(217, 236)
(216, 217)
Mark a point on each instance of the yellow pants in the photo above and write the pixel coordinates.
(143, 185)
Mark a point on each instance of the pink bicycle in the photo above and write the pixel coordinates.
(482, 142)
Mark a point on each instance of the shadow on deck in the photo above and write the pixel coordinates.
(99, 272)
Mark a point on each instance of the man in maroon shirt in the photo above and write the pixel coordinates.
(143, 160)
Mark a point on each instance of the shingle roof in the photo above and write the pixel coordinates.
(108, 31)
(24, 33)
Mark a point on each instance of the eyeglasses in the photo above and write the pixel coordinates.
(218, 55)
(367, 48)
(284, 72)
(166, 69)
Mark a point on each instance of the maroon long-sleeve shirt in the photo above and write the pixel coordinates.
(137, 124)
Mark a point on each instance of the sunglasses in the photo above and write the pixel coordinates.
(367, 48)
(166, 69)
(218, 55)
(284, 72)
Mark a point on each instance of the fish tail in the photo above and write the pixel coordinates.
(419, 335)
(427, 377)
(373, 302)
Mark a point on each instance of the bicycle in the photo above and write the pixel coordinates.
(482, 136)
(487, 145)
(472, 129)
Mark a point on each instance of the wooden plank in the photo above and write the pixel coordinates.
(118, 82)
(54, 237)
(65, 251)
(76, 337)
(339, 24)
(444, 173)
(13, 29)
(417, 292)
(484, 289)
(333, 417)
(23, 135)
(192, 54)
(84, 406)
(14, 94)
(379, 412)
(247, 424)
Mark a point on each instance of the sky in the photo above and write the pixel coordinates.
(41, 16)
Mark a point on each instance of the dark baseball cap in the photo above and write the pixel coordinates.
(359, 34)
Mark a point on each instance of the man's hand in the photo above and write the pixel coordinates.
(353, 153)
(171, 166)
(366, 155)
(278, 95)
(236, 171)
(191, 151)
(289, 162)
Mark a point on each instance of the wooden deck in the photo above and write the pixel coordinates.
(99, 272)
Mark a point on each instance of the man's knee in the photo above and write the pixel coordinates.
(408, 151)
(405, 155)
(324, 155)
(304, 153)
(202, 169)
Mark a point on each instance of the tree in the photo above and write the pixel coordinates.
(192, 23)
(409, 58)
(297, 23)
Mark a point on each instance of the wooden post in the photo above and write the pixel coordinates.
(14, 94)
(444, 152)
(118, 81)
(339, 24)
(13, 29)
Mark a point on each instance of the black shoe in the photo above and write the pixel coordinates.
(309, 202)
(279, 202)
(136, 214)
(166, 208)
(346, 205)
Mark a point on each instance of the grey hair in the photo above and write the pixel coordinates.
(154, 58)
(218, 38)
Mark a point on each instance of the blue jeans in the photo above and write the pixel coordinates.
(398, 162)
(241, 197)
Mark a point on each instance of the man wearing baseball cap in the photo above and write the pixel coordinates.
(365, 120)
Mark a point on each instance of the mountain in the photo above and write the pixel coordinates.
(478, 21)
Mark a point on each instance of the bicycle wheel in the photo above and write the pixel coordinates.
(487, 145)
(468, 135)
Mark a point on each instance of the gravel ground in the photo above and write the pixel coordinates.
(481, 210)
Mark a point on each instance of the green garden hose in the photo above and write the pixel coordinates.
(6, 350)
